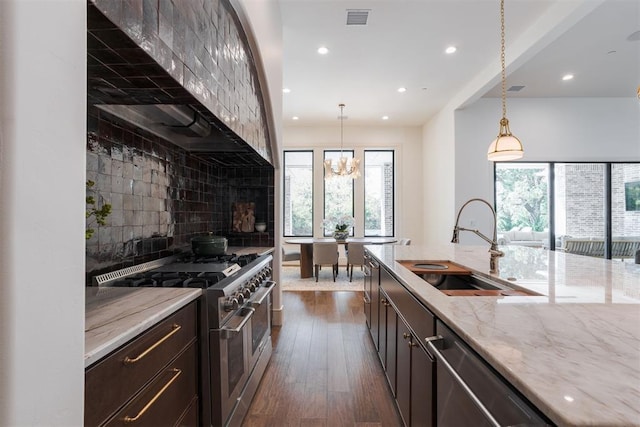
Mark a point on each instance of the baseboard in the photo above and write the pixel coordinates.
(277, 316)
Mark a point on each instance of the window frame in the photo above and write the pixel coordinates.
(393, 191)
(284, 199)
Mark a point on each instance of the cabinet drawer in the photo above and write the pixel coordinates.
(190, 416)
(419, 319)
(166, 398)
(114, 380)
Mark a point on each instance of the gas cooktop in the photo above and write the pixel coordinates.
(185, 270)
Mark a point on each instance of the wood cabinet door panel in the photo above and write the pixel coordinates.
(422, 388)
(403, 375)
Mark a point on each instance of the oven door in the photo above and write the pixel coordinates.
(261, 320)
(230, 347)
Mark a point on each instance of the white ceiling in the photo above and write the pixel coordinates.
(403, 44)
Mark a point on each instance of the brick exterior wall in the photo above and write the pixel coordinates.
(580, 195)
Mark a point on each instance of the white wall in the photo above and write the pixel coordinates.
(42, 190)
(556, 129)
(439, 177)
(407, 143)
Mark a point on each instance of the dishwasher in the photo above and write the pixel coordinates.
(470, 392)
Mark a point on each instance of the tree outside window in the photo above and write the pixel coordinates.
(522, 196)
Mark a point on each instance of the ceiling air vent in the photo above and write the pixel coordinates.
(357, 16)
(515, 88)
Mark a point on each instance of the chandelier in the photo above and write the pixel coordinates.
(505, 146)
(342, 169)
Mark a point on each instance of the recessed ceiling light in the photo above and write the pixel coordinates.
(450, 49)
(385, 117)
(323, 50)
(294, 118)
(567, 77)
(402, 89)
(286, 90)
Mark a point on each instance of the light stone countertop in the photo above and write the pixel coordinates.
(113, 316)
(573, 352)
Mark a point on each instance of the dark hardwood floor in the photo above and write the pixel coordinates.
(324, 369)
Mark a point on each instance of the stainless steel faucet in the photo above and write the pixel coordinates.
(494, 252)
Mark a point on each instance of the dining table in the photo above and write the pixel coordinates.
(306, 248)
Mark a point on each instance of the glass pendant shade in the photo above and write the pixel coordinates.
(506, 146)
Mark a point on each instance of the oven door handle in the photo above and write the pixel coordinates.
(244, 321)
(265, 294)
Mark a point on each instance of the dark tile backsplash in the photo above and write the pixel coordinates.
(161, 196)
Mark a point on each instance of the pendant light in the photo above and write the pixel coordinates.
(505, 146)
(342, 169)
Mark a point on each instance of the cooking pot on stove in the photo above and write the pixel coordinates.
(209, 245)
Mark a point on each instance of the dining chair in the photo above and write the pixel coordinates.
(325, 253)
(290, 254)
(355, 256)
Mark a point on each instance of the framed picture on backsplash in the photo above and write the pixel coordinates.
(244, 217)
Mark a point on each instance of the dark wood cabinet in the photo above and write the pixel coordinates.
(403, 324)
(403, 390)
(152, 380)
(372, 298)
(382, 328)
(388, 331)
(415, 380)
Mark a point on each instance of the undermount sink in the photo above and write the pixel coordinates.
(454, 280)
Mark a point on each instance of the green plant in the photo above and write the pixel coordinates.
(338, 224)
(99, 214)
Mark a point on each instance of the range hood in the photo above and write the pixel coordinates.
(131, 87)
(187, 128)
(179, 124)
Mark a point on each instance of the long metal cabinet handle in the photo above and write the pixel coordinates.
(430, 343)
(272, 285)
(245, 319)
(127, 419)
(130, 361)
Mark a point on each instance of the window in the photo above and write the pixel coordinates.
(338, 191)
(522, 203)
(378, 193)
(590, 208)
(625, 210)
(580, 212)
(298, 193)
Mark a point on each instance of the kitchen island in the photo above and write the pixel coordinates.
(573, 349)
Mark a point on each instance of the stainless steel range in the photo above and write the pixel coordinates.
(235, 323)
